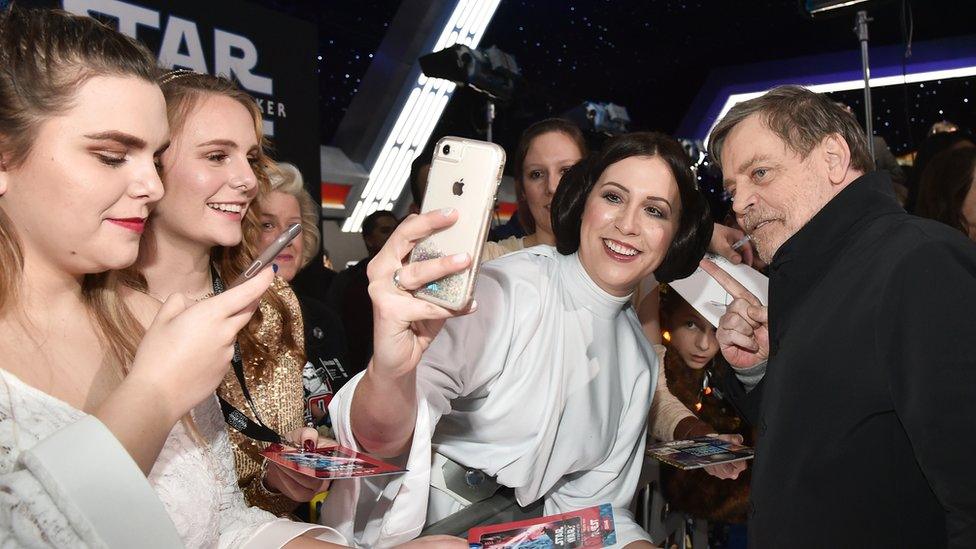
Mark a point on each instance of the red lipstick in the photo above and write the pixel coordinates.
(134, 224)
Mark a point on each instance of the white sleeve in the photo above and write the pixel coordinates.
(467, 354)
(80, 488)
(615, 480)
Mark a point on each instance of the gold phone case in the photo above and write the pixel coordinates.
(464, 175)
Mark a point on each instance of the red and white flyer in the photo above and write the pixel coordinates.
(332, 462)
(592, 527)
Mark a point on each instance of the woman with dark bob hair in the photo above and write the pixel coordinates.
(695, 220)
(947, 194)
(543, 386)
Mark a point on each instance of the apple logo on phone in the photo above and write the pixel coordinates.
(459, 187)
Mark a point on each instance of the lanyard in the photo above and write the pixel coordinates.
(234, 417)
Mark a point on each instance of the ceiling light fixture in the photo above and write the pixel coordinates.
(418, 115)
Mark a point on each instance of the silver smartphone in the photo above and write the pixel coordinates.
(267, 256)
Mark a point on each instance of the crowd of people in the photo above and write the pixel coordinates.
(139, 385)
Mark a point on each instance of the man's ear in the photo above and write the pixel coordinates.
(837, 156)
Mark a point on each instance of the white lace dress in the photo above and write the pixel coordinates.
(66, 482)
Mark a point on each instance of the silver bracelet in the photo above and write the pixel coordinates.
(262, 488)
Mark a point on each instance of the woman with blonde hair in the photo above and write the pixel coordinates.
(287, 203)
(203, 234)
(325, 340)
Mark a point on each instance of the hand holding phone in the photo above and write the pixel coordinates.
(182, 375)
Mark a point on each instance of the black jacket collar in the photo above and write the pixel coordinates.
(806, 256)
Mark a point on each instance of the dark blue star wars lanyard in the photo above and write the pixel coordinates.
(234, 417)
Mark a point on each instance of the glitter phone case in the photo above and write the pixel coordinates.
(464, 175)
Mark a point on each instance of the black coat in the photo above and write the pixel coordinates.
(325, 371)
(866, 414)
(325, 338)
(349, 296)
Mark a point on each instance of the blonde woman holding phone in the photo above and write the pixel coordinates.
(201, 236)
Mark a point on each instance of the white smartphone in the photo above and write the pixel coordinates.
(464, 175)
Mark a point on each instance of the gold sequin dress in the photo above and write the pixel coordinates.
(277, 393)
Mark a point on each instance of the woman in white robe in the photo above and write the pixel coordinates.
(547, 384)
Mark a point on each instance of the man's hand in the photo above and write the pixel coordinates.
(743, 331)
(722, 240)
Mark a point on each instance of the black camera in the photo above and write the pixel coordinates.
(446, 149)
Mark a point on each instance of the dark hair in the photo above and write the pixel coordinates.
(945, 183)
(369, 224)
(415, 167)
(933, 145)
(801, 118)
(45, 57)
(694, 220)
(549, 125)
(671, 301)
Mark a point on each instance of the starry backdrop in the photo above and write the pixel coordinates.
(651, 56)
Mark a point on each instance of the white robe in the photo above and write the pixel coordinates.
(547, 386)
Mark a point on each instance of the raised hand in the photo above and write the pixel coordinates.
(187, 349)
(743, 331)
(722, 240)
(384, 406)
(404, 326)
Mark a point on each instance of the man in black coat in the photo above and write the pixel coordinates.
(860, 377)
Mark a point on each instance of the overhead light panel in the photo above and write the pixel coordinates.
(419, 114)
(847, 85)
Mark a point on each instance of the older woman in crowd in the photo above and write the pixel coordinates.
(325, 341)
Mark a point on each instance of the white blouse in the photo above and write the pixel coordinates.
(66, 482)
(547, 387)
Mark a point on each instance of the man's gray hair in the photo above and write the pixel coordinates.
(801, 118)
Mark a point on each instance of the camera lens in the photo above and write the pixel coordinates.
(446, 149)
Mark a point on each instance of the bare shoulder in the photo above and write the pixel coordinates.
(143, 306)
